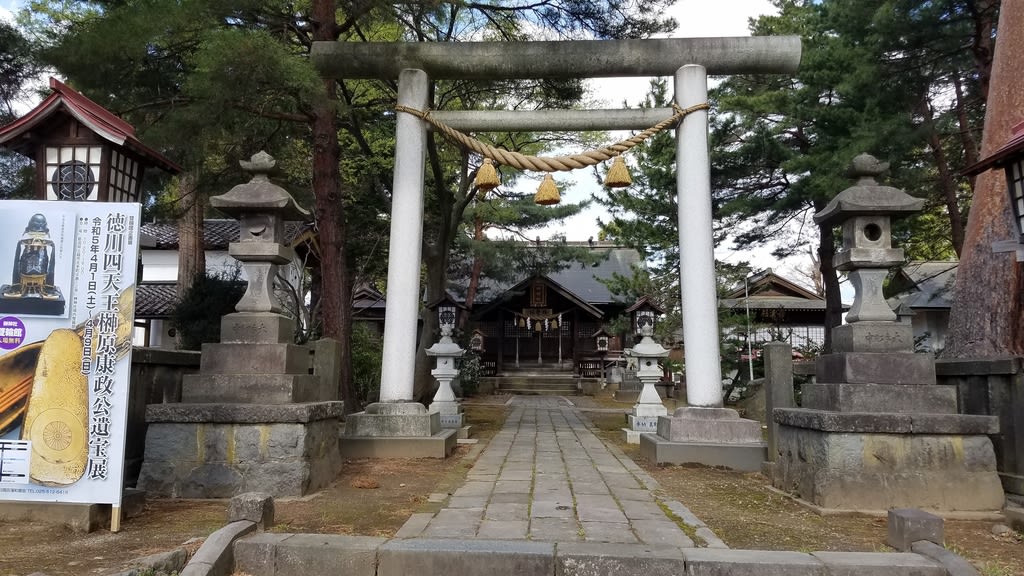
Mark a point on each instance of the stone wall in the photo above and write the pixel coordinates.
(993, 387)
(155, 379)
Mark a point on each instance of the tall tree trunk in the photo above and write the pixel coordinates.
(336, 281)
(478, 268)
(191, 252)
(948, 186)
(986, 318)
(983, 15)
(833, 298)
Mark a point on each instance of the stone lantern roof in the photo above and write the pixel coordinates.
(259, 194)
(867, 197)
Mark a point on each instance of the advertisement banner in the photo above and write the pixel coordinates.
(67, 310)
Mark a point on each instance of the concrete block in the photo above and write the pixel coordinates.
(743, 457)
(880, 398)
(875, 368)
(393, 420)
(255, 507)
(827, 421)
(953, 563)
(256, 327)
(216, 556)
(873, 337)
(709, 425)
(247, 358)
(327, 367)
(307, 554)
(250, 388)
(717, 562)
(878, 564)
(491, 557)
(908, 525)
(256, 555)
(439, 445)
(606, 559)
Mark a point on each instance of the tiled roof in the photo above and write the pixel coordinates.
(100, 120)
(217, 233)
(582, 280)
(155, 299)
(934, 284)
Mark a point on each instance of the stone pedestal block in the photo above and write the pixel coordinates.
(245, 388)
(875, 368)
(880, 398)
(908, 525)
(716, 425)
(873, 337)
(242, 358)
(397, 430)
(877, 462)
(221, 450)
(711, 436)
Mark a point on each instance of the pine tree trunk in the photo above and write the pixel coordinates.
(191, 252)
(336, 281)
(985, 320)
(833, 297)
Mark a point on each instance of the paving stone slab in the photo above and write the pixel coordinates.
(473, 488)
(467, 502)
(638, 510)
(415, 525)
(598, 487)
(608, 532)
(513, 486)
(552, 509)
(305, 554)
(555, 530)
(513, 498)
(503, 529)
(632, 494)
(497, 511)
(661, 533)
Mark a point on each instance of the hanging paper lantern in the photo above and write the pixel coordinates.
(487, 177)
(547, 194)
(618, 174)
(537, 327)
(554, 324)
(522, 322)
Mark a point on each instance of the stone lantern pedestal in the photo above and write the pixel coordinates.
(876, 432)
(262, 414)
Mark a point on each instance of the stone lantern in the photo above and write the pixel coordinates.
(875, 431)
(865, 211)
(648, 407)
(601, 340)
(446, 354)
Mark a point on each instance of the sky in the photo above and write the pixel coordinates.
(696, 18)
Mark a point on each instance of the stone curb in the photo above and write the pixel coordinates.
(216, 556)
(167, 562)
(952, 562)
(322, 554)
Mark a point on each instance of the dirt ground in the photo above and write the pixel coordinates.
(375, 497)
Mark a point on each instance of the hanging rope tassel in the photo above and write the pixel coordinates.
(487, 177)
(547, 194)
(618, 174)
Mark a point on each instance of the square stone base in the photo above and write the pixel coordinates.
(870, 462)
(743, 457)
(632, 436)
(221, 450)
(439, 445)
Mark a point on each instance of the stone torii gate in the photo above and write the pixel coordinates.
(689, 60)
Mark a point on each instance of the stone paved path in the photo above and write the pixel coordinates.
(545, 476)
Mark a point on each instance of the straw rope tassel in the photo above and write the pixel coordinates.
(487, 176)
(547, 194)
(618, 174)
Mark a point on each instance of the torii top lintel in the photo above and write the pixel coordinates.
(566, 59)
